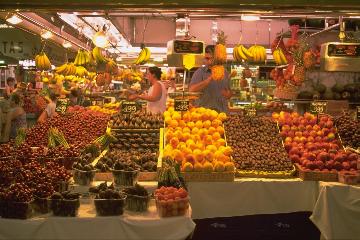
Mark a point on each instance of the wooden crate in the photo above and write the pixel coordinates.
(307, 175)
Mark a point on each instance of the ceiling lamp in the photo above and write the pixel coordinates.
(100, 39)
(67, 44)
(14, 19)
(250, 17)
(46, 35)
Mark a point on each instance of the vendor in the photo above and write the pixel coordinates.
(157, 94)
(15, 119)
(214, 93)
(10, 87)
(49, 111)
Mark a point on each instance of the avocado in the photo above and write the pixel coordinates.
(305, 95)
(321, 88)
(338, 88)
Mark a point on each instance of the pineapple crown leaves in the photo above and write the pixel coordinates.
(221, 37)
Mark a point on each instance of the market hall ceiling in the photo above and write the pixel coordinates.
(239, 6)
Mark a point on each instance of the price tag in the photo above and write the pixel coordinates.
(62, 105)
(318, 107)
(358, 112)
(188, 61)
(128, 107)
(181, 105)
(250, 112)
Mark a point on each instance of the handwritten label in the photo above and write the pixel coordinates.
(62, 105)
(250, 112)
(181, 105)
(128, 107)
(358, 112)
(318, 107)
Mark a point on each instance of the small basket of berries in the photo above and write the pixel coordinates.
(171, 202)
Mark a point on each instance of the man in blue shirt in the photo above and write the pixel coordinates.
(214, 93)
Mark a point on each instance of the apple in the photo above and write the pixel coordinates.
(295, 115)
(313, 133)
(310, 165)
(320, 165)
(291, 134)
(329, 164)
(334, 146)
(294, 128)
(283, 133)
(324, 119)
(346, 166)
(287, 146)
(338, 166)
(318, 139)
(326, 131)
(310, 139)
(320, 133)
(331, 136)
(310, 156)
(285, 128)
(331, 156)
(313, 121)
(294, 151)
(329, 124)
(308, 127)
(303, 139)
(301, 127)
(306, 133)
(297, 139)
(323, 156)
(352, 157)
(308, 116)
(303, 121)
(316, 127)
(298, 134)
(295, 158)
(340, 157)
(353, 164)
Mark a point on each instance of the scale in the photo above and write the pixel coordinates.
(340, 57)
(177, 49)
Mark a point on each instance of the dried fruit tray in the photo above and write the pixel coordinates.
(266, 174)
(308, 175)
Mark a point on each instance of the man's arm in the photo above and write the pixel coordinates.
(197, 83)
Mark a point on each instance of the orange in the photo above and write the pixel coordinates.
(203, 132)
(169, 135)
(173, 123)
(207, 124)
(200, 145)
(196, 138)
(178, 155)
(201, 110)
(195, 131)
(195, 116)
(222, 116)
(216, 123)
(181, 146)
(208, 155)
(190, 125)
(182, 123)
(220, 129)
(228, 151)
(198, 167)
(186, 116)
(211, 130)
(199, 156)
(178, 134)
(220, 142)
(213, 115)
(199, 124)
(208, 140)
(186, 130)
(176, 116)
(186, 136)
(170, 110)
(189, 142)
(186, 151)
(167, 120)
(211, 148)
(216, 136)
(174, 142)
(167, 114)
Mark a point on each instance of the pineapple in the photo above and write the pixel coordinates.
(217, 72)
(220, 49)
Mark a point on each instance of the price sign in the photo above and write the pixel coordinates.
(250, 112)
(181, 105)
(318, 107)
(358, 112)
(188, 61)
(62, 105)
(128, 107)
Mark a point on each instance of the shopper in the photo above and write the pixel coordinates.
(49, 111)
(214, 93)
(10, 87)
(15, 119)
(157, 94)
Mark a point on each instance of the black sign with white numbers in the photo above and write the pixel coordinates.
(318, 107)
(128, 107)
(181, 105)
(62, 105)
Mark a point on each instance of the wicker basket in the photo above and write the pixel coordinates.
(266, 174)
(209, 177)
(307, 175)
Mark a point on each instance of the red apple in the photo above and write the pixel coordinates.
(339, 157)
(329, 124)
(301, 127)
(294, 128)
(306, 133)
(352, 157)
(283, 133)
(338, 166)
(326, 131)
(319, 133)
(291, 134)
(310, 139)
(294, 151)
(329, 164)
(353, 164)
(295, 158)
(313, 133)
(303, 122)
(287, 146)
(346, 166)
(310, 165)
(323, 156)
(318, 139)
(311, 156)
(320, 165)
(288, 140)
(303, 139)
(297, 139)
(324, 119)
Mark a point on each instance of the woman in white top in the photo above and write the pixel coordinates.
(157, 94)
(49, 111)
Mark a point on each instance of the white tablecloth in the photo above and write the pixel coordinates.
(337, 211)
(250, 196)
(130, 226)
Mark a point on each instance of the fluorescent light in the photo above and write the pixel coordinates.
(2, 61)
(250, 17)
(100, 39)
(119, 59)
(66, 44)
(46, 35)
(14, 19)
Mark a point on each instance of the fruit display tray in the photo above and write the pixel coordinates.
(208, 176)
(135, 130)
(308, 175)
(266, 174)
(143, 176)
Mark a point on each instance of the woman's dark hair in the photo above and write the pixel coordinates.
(210, 49)
(52, 96)
(10, 79)
(16, 98)
(156, 71)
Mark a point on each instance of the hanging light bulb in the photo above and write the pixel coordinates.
(14, 19)
(46, 35)
(100, 39)
(67, 44)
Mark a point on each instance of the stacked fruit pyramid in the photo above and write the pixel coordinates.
(195, 139)
(312, 143)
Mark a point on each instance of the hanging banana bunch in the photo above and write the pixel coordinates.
(66, 69)
(241, 53)
(82, 58)
(143, 56)
(42, 62)
(81, 71)
(98, 56)
(259, 53)
(279, 57)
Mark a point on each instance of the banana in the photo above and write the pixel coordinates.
(61, 68)
(246, 52)
(282, 57)
(141, 56)
(42, 62)
(148, 54)
(241, 54)
(235, 57)
(99, 58)
(277, 57)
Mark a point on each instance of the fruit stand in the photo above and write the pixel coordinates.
(266, 124)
